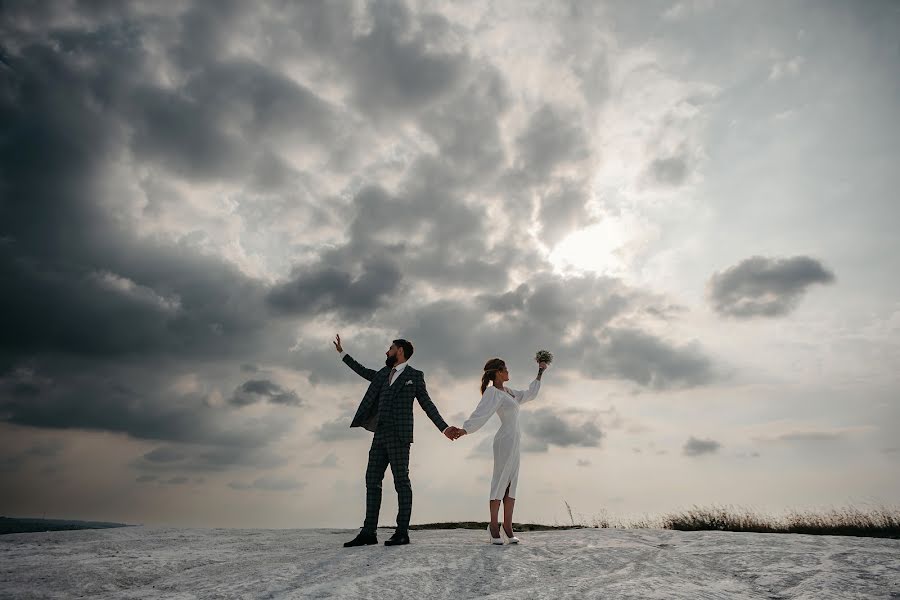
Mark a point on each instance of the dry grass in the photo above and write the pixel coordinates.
(876, 522)
(883, 522)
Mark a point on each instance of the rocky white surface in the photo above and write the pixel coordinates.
(145, 562)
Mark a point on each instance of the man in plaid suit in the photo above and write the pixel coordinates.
(387, 411)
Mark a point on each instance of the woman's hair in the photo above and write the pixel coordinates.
(490, 371)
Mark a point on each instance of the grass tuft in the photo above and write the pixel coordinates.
(878, 522)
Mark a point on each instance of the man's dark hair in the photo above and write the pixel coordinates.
(406, 345)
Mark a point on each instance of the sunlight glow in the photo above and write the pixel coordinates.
(600, 248)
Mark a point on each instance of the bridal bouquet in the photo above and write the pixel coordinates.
(544, 356)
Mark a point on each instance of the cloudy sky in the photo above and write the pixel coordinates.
(693, 204)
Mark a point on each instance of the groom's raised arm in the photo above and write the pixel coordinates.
(428, 406)
(358, 368)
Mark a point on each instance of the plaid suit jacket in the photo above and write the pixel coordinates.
(409, 386)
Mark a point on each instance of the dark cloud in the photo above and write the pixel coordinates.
(393, 63)
(129, 310)
(466, 128)
(506, 302)
(553, 138)
(95, 318)
(428, 229)
(177, 132)
(638, 356)
(563, 210)
(77, 280)
(425, 233)
(164, 454)
(550, 170)
(223, 117)
(145, 478)
(546, 426)
(398, 66)
(75, 398)
(203, 435)
(258, 390)
(698, 447)
(324, 289)
(765, 287)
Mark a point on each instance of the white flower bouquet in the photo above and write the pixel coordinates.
(544, 356)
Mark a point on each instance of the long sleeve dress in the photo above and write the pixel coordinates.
(506, 441)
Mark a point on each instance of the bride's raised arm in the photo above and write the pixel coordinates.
(530, 394)
(523, 396)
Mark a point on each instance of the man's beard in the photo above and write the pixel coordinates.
(391, 360)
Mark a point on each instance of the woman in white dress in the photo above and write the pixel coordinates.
(505, 402)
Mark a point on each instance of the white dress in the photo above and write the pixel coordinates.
(506, 441)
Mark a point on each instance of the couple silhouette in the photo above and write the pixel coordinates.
(386, 410)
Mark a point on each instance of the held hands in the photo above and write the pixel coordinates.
(454, 433)
(337, 343)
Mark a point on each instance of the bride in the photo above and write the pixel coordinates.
(505, 402)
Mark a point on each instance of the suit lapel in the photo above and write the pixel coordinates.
(400, 376)
(401, 380)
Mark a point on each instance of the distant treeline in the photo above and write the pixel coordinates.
(15, 525)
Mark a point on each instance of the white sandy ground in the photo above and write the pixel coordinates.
(146, 562)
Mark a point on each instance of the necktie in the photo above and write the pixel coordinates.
(391, 379)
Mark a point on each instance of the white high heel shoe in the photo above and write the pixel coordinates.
(494, 540)
(511, 538)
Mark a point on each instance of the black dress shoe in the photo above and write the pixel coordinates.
(363, 539)
(398, 539)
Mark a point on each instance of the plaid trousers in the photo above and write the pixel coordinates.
(388, 450)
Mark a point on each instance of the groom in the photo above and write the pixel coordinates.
(387, 411)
